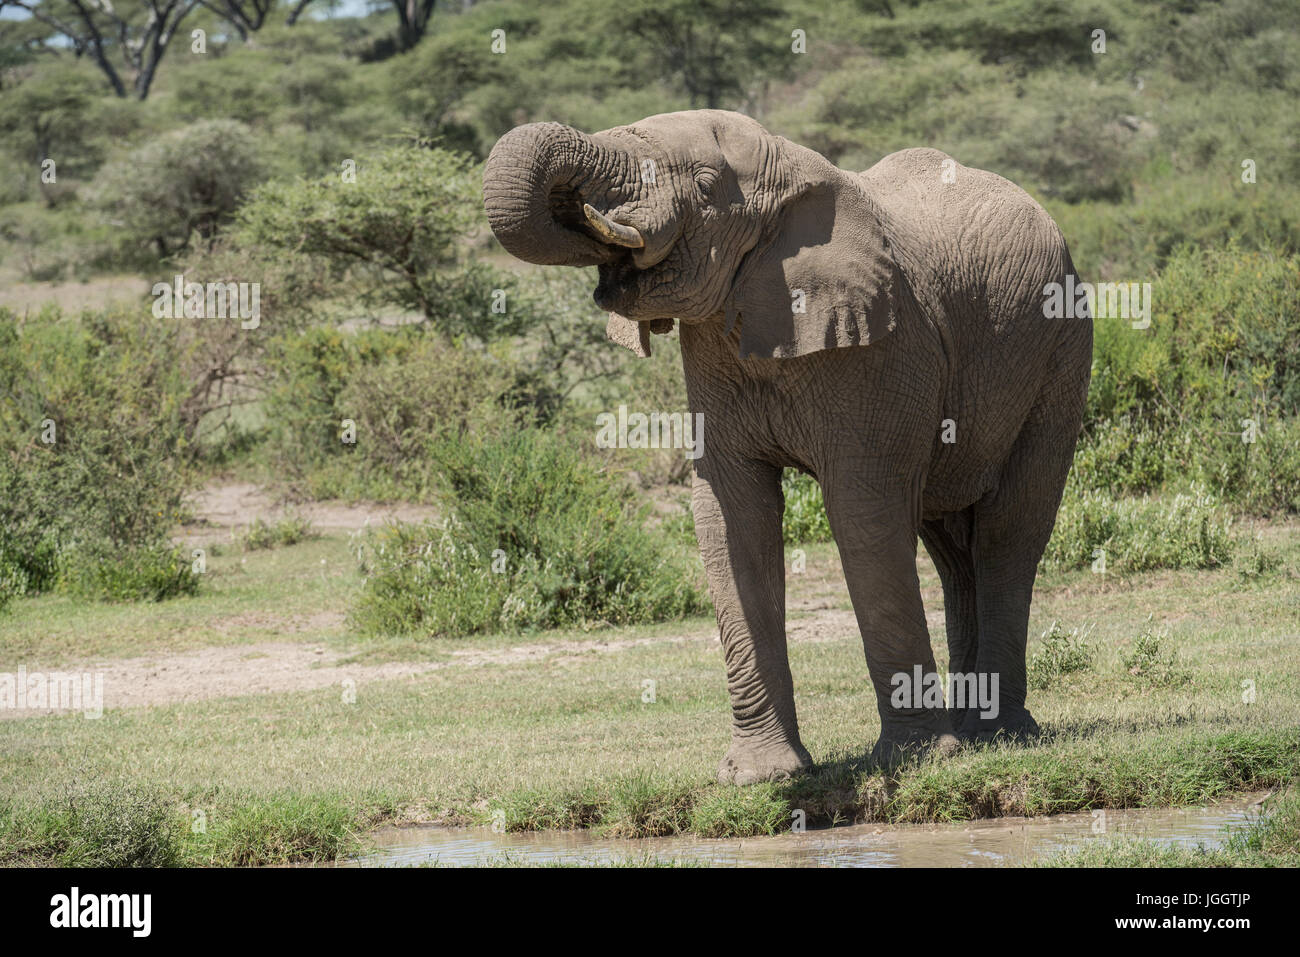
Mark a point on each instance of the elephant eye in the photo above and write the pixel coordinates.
(706, 181)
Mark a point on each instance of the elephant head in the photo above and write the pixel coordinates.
(700, 216)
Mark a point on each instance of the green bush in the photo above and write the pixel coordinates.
(186, 182)
(1209, 393)
(92, 464)
(399, 225)
(1181, 531)
(402, 390)
(536, 536)
(805, 518)
(101, 572)
(102, 824)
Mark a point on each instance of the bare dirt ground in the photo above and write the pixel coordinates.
(280, 667)
(221, 509)
(73, 296)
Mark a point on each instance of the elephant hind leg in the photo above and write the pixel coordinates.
(1011, 531)
(948, 541)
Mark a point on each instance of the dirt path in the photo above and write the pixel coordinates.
(220, 509)
(278, 667)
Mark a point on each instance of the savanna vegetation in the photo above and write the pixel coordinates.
(332, 158)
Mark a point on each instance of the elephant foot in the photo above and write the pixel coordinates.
(750, 763)
(926, 733)
(890, 752)
(1018, 726)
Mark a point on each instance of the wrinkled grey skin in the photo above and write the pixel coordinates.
(922, 301)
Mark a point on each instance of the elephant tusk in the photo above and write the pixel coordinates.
(612, 232)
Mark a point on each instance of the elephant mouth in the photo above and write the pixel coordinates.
(619, 281)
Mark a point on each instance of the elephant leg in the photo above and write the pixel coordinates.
(947, 540)
(738, 508)
(1012, 527)
(876, 533)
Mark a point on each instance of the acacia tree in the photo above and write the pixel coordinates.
(298, 7)
(139, 36)
(46, 114)
(717, 47)
(412, 20)
(246, 16)
(398, 221)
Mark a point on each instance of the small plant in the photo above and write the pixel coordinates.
(1255, 562)
(285, 830)
(288, 530)
(1061, 653)
(1152, 660)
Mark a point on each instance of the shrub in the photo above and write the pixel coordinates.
(403, 391)
(29, 547)
(399, 226)
(91, 443)
(1182, 531)
(805, 518)
(101, 572)
(536, 537)
(185, 182)
(1061, 653)
(404, 404)
(1209, 392)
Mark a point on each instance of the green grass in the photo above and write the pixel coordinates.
(292, 593)
(562, 738)
(120, 824)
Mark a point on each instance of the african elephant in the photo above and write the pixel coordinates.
(883, 331)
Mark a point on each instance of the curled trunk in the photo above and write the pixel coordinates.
(533, 189)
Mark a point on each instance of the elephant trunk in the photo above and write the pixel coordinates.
(533, 189)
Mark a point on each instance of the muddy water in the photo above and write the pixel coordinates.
(1004, 841)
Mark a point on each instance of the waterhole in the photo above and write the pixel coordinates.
(985, 843)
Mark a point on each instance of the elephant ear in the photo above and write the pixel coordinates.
(822, 276)
(633, 335)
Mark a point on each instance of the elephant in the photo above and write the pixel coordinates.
(882, 331)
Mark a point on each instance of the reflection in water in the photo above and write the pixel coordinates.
(989, 843)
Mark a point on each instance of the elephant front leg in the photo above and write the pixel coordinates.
(738, 511)
(877, 539)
